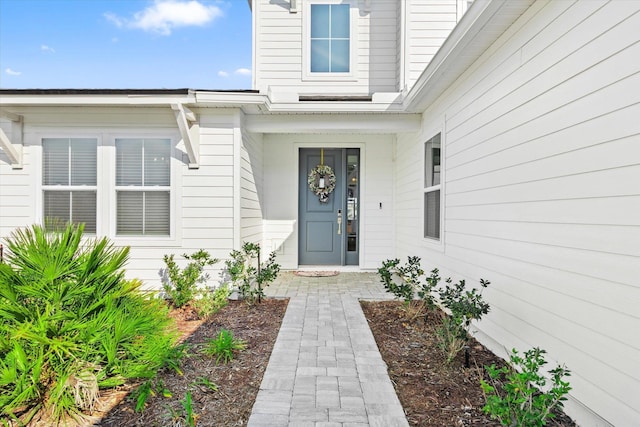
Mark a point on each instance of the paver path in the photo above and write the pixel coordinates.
(325, 368)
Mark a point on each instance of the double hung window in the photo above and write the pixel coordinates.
(69, 182)
(143, 186)
(330, 38)
(432, 188)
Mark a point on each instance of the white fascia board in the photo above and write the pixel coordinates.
(333, 123)
(461, 49)
(92, 100)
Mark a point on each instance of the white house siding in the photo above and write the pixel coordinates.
(279, 46)
(281, 193)
(542, 194)
(203, 198)
(429, 23)
(251, 184)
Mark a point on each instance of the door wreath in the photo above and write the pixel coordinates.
(322, 181)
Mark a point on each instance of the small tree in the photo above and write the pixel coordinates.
(249, 274)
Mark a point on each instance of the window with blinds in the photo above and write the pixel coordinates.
(69, 182)
(432, 188)
(143, 186)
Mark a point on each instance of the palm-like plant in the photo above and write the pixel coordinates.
(71, 323)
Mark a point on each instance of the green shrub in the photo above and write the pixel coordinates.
(70, 323)
(463, 306)
(223, 346)
(460, 305)
(181, 285)
(249, 274)
(518, 394)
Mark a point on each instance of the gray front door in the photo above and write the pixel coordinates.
(327, 232)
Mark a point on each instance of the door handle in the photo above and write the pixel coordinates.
(339, 221)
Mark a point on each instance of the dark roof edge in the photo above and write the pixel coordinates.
(116, 91)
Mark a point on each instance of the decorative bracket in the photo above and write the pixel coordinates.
(13, 146)
(293, 6)
(190, 132)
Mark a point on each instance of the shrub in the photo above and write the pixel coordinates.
(70, 323)
(463, 306)
(223, 346)
(249, 274)
(460, 305)
(211, 301)
(181, 285)
(518, 395)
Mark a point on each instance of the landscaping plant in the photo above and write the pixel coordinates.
(181, 285)
(211, 301)
(463, 306)
(224, 346)
(249, 274)
(70, 323)
(517, 394)
(460, 306)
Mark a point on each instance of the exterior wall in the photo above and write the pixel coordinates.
(281, 189)
(251, 190)
(541, 195)
(429, 23)
(16, 189)
(279, 47)
(202, 199)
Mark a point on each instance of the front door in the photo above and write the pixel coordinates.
(327, 225)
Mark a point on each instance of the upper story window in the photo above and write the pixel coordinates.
(330, 38)
(143, 186)
(432, 188)
(69, 182)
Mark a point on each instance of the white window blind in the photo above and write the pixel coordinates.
(69, 180)
(143, 180)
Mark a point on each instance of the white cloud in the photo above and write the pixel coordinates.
(12, 72)
(223, 74)
(243, 71)
(46, 48)
(114, 19)
(165, 15)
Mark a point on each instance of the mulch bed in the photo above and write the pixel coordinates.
(432, 393)
(238, 381)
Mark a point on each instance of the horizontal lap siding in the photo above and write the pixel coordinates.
(542, 183)
(251, 189)
(204, 201)
(279, 50)
(429, 23)
(16, 194)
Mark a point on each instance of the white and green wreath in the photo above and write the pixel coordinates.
(322, 181)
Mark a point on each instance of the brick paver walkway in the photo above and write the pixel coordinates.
(325, 368)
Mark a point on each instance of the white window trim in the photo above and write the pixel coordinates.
(41, 188)
(307, 75)
(174, 237)
(436, 243)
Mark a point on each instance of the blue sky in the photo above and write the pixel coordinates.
(125, 44)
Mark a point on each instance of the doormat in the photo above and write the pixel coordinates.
(316, 273)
